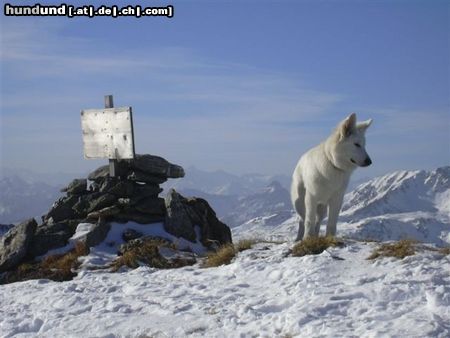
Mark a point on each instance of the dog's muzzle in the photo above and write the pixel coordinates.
(367, 162)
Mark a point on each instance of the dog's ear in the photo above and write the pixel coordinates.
(348, 126)
(362, 127)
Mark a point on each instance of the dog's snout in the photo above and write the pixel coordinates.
(367, 162)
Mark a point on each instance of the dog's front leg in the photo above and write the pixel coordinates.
(334, 207)
(310, 215)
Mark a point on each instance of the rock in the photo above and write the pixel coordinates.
(4, 228)
(213, 232)
(143, 168)
(146, 190)
(50, 236)
(96, 234)
(118, 188)
(106, 213)
(62, 209)
(179, 217)
(138, 217)
(102, 172)
(126, 202)
(139, 176)
(103, 201)
(130, 234)
(76, 187)
(151, 205)
(83, 203)
(14, 244)
(183, 214)
(99, 174)
(132, 190)
(155, 165)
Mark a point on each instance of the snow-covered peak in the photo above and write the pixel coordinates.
(223, 183)
(268, 201)
(400, 191)
(273, 187)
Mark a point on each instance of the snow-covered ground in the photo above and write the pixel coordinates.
(263, 292)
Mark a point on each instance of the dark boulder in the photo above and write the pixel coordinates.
(14, 244)
(118, 188)
(50, 236)
(151, 205)
(155, 165)
(146, 190)
(101, 173)
(105, 213)
(62, 209)
(4, 228)
(103, 201)
(96, 233)
(143, 168)
(139, 176)
(138, 217)
(183, 214)
(76, 187)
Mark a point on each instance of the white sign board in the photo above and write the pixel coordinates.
(108, 133)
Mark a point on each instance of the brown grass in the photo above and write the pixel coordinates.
(444, 251)
(225, 254)
(400, 249)
(148, 254)
(58, 267)
(315, 245)
(245, 244)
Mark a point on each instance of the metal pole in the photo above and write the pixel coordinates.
(112, 162)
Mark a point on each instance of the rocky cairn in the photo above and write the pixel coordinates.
(100, 200)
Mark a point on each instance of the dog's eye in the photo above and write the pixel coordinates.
(358, 145)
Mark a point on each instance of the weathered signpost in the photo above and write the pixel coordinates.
(108, 133)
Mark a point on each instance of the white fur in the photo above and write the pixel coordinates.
(322, 174)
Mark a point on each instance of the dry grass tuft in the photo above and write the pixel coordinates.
(245, 244)
(147, 253)
(65, 262)
(444, 251)
(400, 249)
(225, 254)
(58, 267)
(315, 245)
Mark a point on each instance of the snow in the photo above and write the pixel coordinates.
(264, 292)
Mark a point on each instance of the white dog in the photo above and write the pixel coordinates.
(322, 174)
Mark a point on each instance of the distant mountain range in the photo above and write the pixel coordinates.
(403, 204)
(237, 199)
(223, 183)
(20, 199)
(234, 198)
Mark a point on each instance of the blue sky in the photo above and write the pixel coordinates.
(242, 86)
